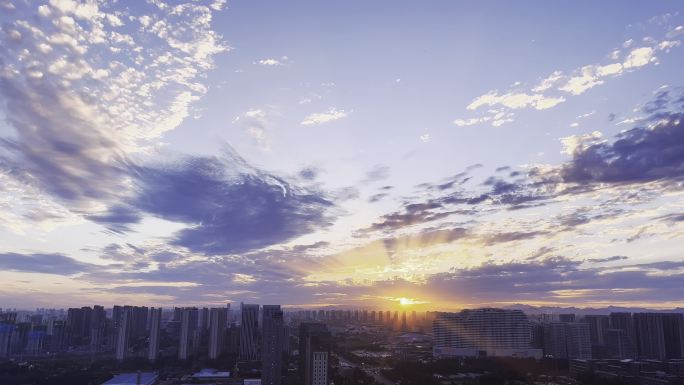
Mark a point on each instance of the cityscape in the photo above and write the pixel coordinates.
(268, 344)
(306, 192)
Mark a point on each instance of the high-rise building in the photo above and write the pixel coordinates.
(314, 353)
(650, 335)
(567, 340)
(57, 331)
(619, 344)
(598, 324)
(124, 334)
(217, 331)
(272, 345)
(6, 331)
(404, 325)
(203, 319)
(579, 340)
(98, 327)
(480, 332)
(249, 332)
(188, 341)
(155, 328)
(673, 327)
(78, 324)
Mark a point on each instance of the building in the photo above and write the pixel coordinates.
(619, 344)
(483, 332)
(272, 345)
(650, 336)
(188, 340)
(555, 340)
(314, 353)
(218, 320)
(578, 340)
(249, 332)
(567, 340)
(98, 328)
(123, 335)
(155, 328)
(6, 331)
(140, 378)
(598, 324)
(673, 327)
(78, 325)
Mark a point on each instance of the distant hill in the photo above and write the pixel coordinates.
(589, 310)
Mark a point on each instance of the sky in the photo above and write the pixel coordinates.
(387, 154)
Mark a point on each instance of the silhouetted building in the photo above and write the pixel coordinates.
(567, 340)
(98, 327)
(272, 345)
(314, 353)
(673, 327)
(619, 344)
(188, 333)
(217, 331)
(155, 329)
(123, 336)
(6, 331)
(249, 332)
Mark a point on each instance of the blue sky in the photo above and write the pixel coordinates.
(351, 154)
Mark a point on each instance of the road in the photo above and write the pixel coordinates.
(371, 371)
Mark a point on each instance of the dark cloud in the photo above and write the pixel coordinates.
(653, 151)
(228, 211)
(56, 146)
(118, 218)
(377, 173)
(674, 217)
(549, 279)
(43, 263)
(607, 259)
(642, 154)
(377, 197)
(309, 173)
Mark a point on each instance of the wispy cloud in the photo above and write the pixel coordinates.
(324, 117)
(555, 88)
(272, 62)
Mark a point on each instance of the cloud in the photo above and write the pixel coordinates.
(514, 101)
(43, 263)
(548, 93)
(495, 238)
(257, 126)
(324, 117)
(642, 154)
(554, 280)
(309, 173)
(228, 206)
(674, 217)
(83, 94)
(271, 62)
(607, 259)
(377, 173)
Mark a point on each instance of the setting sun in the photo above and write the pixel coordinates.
(408, 301)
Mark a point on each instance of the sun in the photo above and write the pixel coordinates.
(403, 301)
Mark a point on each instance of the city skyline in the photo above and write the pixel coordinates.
(385, 155)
